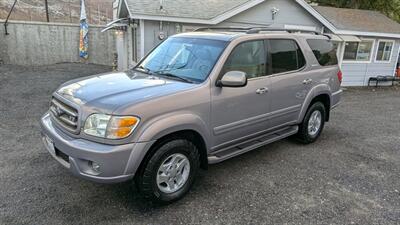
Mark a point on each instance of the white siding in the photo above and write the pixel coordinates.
(290, 13)
(358, 74)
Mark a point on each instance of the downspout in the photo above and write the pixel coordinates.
(8, 16)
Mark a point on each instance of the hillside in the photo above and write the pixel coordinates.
(68, 11)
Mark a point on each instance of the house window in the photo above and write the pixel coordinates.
(384, 52)
(358, 51)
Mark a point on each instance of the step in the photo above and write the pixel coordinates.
(251, 144)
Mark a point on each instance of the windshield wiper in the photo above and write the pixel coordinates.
(143, 69)
(170, 75)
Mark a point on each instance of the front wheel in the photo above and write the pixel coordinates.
(313, 124)
(170, 172)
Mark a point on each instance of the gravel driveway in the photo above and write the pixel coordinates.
(350, 176)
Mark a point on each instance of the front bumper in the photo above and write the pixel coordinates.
(117, 163)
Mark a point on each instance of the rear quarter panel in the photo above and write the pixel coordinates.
(325, 79)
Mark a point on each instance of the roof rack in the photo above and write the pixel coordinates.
(257, 30)
(230, 28)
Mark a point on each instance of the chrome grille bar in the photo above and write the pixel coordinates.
(65, 115)
(64, 108)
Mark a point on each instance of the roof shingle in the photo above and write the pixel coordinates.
(195, 9)
(359, 20)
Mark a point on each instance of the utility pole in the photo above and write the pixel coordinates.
(47, 10)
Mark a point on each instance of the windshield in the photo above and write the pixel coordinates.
(190, 59)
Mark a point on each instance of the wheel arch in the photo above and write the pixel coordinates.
(188, 134)
(320, 93)
(187, 126)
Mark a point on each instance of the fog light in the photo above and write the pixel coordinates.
(95, 167)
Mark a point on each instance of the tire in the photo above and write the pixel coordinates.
(150, 180)
(306, 135)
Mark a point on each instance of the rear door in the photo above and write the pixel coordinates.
(289, 81)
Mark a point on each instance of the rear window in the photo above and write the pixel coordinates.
(324, 51)
(285, 56)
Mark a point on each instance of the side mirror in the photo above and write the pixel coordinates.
(233, 79)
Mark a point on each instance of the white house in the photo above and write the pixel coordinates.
(368, 41)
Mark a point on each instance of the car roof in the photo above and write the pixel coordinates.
(213, 35)
(231, 35)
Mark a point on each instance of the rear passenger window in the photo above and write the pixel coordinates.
(248, 57)
(324, 51)
(285, 56)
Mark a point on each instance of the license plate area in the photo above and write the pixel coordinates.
(62, 155)
(57, 154)
(49, 145)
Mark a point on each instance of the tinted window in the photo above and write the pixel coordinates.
(248, 57)
(324, 51)
(285, 55)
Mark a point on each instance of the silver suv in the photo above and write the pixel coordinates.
(198, 98)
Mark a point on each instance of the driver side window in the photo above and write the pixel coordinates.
(248, 57)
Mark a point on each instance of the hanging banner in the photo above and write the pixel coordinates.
(83, 39)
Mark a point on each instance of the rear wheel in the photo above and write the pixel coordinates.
(170, 172)
(313, 124)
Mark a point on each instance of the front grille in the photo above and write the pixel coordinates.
(65, 115)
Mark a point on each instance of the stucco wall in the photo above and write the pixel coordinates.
(37, 43)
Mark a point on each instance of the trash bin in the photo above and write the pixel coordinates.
(398, 70)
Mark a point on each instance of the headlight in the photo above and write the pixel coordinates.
(111, 127)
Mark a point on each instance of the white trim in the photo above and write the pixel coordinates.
(300, 27)
(339, 53)
(220, 18)
(141, 24)
(391, 52)
(332, 27)
(317, 15)
(397, 60)
(335, 38)
(170, 19)
(119, 8)
(371, 34)
(216, 20)
(349, 38)
(358, 62)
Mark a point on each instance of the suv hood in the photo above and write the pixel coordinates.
(111, 90)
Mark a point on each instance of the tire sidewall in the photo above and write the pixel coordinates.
(176, 146)
(321, 108)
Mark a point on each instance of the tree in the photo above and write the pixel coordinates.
(390, 8)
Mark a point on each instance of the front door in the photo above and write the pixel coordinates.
(238, 113)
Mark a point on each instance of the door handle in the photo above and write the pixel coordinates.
(307, 81)
(261, 91)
